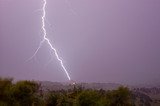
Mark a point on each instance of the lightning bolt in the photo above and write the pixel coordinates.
(45, 39)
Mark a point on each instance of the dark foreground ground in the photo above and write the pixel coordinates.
(34, 93)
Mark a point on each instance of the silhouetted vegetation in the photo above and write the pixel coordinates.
(29, 93)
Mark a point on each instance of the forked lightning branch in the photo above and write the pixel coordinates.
(45, 39)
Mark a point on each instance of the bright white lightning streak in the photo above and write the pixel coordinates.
(48, 41)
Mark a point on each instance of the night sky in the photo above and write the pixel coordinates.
(98, 40)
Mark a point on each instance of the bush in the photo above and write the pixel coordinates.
(88, 98)
(27, 93)
(24, 92)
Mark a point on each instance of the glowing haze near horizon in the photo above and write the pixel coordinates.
(99, 40)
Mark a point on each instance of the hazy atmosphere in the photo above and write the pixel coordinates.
(114, 41)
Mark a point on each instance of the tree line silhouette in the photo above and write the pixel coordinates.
(29, 93)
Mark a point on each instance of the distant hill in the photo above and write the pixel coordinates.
(47, 85)
(145, 96)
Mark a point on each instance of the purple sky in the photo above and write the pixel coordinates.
(103, 41)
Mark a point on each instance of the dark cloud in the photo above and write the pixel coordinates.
(104, 41)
